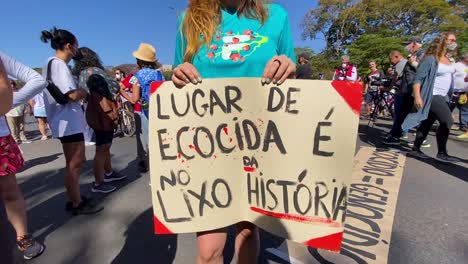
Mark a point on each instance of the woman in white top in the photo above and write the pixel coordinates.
(439, 107)
(11, 159)
(40, 114)
(67, 121)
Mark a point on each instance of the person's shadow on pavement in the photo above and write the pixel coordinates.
(452, 169)
(143, 246)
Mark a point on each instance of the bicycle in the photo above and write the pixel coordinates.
(126, 121)
(383, 104)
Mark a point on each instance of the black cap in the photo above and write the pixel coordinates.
(413, 39)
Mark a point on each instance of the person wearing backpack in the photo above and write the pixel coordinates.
(66, 117)
(101, 116)
(147, 73)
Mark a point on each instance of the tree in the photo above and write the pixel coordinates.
(39, 70)
(167, 75)
(127, 68)
(324, 63)
(374, 47)
(303, 50)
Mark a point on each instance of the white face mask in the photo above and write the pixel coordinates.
(414, 64)
(452, 46)
(344, 65)
(117, 76)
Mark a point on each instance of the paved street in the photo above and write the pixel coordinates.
(429, 226)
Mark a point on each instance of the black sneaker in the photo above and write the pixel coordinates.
(114, 177)
(142, 167)
(391, 141)
(68, 205)
(104, 187)
(416, 153)
(30, 247)
(446, 158)
(86, 208)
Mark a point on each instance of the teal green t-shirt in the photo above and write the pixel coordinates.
(241, 46)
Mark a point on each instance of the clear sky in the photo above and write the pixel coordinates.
(112, 28)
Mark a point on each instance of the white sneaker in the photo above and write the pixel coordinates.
(44, 138)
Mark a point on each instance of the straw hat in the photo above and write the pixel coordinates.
(145, 52)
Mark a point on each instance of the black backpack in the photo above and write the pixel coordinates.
(54, 91)
(407, 79)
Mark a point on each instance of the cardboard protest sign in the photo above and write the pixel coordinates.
(231, 150)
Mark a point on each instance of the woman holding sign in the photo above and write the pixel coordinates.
(232, 38)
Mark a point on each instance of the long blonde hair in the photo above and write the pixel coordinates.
(204, 16)
(438, 46)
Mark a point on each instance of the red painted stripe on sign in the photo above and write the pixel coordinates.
(297, 218)
(160, 228)
(154, 86)
(351, 93)
(249, 169)
(331, 242)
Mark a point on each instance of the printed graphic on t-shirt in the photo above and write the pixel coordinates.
(236, 47)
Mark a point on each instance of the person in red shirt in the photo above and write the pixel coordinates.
(346, 72)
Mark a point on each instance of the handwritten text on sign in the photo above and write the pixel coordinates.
(232, 150)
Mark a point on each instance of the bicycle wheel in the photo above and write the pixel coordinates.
(127, 124)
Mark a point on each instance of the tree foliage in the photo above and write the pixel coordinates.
(375, 47)
(168, 75)
(304, 50)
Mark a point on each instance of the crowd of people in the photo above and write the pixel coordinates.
(66, 100)
(426, 87)
(418, 90)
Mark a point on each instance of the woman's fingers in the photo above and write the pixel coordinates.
(270, 70)
(280, 72)
(289, 71)
(179, 74)
(184, 74)
(178, 82)
(278, 69)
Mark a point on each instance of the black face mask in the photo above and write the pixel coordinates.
(78, 55)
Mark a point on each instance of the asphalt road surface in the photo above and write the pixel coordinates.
(430, 223)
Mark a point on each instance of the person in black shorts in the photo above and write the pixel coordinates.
(67, 121)
(101, 116)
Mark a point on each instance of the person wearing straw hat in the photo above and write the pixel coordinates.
(147, 73)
